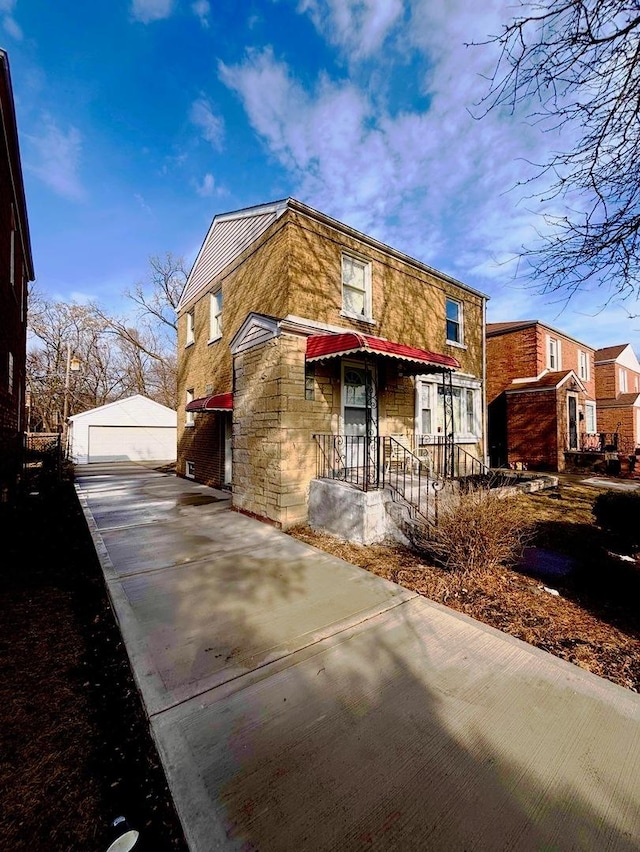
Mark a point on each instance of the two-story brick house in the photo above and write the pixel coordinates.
(294, 328)
(618, 394)
(540, 395)
(16, 270)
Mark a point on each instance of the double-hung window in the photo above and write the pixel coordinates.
(623, 381)
(189, 416)
(590, 417)
(554, 353)
(454, 321)
(190, 327)
(356, 287)
(215, 315)
(583, 365)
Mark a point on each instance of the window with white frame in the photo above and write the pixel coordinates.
(590, 417)
(583, 365)
(623, 381)
(454, 321)
(189, 419)
(12, 248)
(465, 402)
(356, 287)
(554, 353)
(190, 327)
(215, 315)
(190, 469)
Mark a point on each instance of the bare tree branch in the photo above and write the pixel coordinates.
(575, 66)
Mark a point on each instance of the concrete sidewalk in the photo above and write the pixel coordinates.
(301, 703)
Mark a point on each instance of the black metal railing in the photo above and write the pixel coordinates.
(410, 476)
(349, 458)
(600, 442)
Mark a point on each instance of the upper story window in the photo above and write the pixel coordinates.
(10, 373)
(12, 248)
(623, 381)
(583, 365)
(554, 353)
(189, 418)
(356, 287)
(190, 327)
(454, 321)
(215, 315)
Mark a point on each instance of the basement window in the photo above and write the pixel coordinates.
(190, 470)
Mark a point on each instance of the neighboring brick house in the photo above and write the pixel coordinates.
(16, 270)
(540, 395)
(293, 327)
(618, 394)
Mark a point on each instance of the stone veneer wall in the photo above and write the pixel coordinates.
(274, 453)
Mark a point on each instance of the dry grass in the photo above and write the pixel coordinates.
(593, 622)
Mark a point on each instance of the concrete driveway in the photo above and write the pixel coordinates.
(301, 703)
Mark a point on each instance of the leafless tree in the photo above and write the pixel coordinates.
(574, 67)
(119, 355)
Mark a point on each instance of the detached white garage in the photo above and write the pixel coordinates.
(132, 429)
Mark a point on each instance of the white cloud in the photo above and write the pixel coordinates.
(141, 201)
(9, 23)
(207, 186)
(431, 180)
(56, 159)
(357, 26)
(210, 124)
(202, 9)
(151, 10)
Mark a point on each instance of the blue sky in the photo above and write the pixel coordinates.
(139, 120)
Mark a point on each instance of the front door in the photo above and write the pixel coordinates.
(359, 414)
(572, 422)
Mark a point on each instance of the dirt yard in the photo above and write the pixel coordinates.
(593, 621)
(75, 749)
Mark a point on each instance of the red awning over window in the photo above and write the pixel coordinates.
(219, 402)
(322, 346)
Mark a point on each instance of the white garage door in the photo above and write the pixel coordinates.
(132, 443)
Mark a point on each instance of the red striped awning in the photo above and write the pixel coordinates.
(218, 402)
(322, 346)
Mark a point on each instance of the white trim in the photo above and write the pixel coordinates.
(191, 328)
(189, 418)
(365, 263)
(460, 322)
(215, 317)
(255, 330)
(462, 382)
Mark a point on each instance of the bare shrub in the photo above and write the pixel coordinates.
(478, 531)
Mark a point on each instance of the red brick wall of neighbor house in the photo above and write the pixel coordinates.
(510, 356)
(606, 382)
(623, 421)
(533, 430)
(12, 321)
(570, 361)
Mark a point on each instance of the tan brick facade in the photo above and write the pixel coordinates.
(294, 270)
